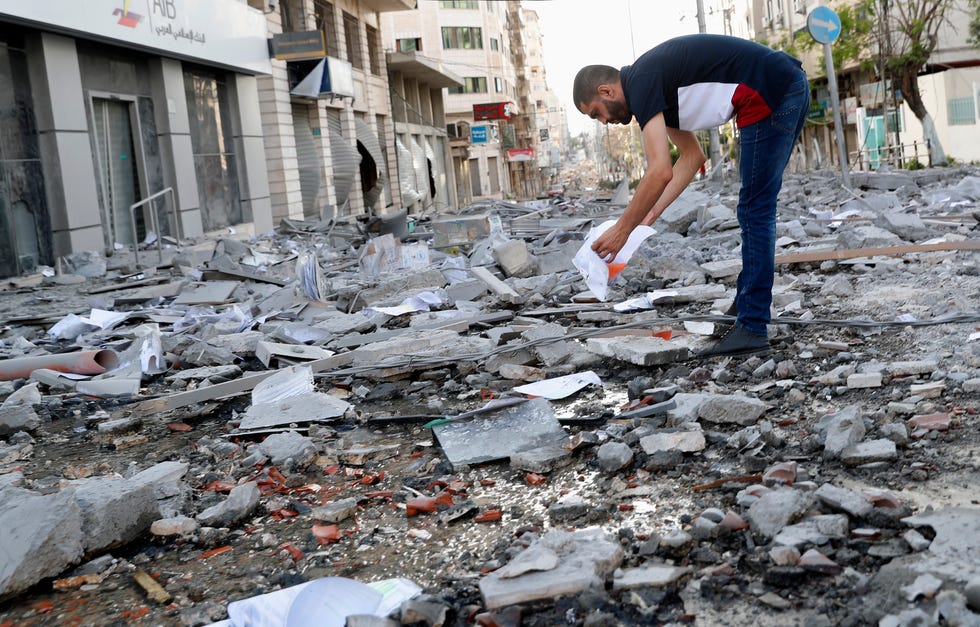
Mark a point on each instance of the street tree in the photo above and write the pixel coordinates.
(904, 34)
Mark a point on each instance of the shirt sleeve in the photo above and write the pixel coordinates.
(646, 98)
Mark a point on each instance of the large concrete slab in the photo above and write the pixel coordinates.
(40, 536)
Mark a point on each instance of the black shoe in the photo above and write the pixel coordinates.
(721, 329)
(737, 342)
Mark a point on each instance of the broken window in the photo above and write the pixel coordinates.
(352, 35)
(326, 22)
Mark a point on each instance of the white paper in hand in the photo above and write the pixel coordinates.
(594, 270)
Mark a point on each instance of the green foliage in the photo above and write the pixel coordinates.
(857, 35)
(913, 164)
(974, 38)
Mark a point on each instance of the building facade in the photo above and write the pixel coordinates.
(470, 39)
(549, 113)
(107, 103)
(329, 132)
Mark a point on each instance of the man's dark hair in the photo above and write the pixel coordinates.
(588, 79)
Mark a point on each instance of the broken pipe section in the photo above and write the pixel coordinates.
(84, 362)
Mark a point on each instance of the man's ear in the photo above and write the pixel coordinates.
(606, 91)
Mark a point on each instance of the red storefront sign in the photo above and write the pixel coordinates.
(521, 154)
(492, 111)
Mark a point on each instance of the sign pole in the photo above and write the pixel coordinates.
(825, 26)
(838, 123)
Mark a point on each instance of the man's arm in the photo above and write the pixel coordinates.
(688, 164)
(652, 186)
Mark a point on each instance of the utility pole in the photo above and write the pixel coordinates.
(714, 145)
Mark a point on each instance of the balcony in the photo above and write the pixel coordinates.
(384, 6)
(422, 69)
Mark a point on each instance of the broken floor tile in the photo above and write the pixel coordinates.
(298, 409)
(650, 576)
(868, 452)
(683, 441)
(500, 434)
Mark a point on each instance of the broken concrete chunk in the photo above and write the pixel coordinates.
(114, 511)
(176, 526)
(40, 536)
(613, 456)
(241, 501)
(844, 500)
(542, 459)
(586, 558)
(683, 441)
(732, 409)
(535, 558)
(776, 509)
(841, 429)
(18, 418)
(335, 512)
(514, 258)
(280, 447)
(868, 452)
(639, 350)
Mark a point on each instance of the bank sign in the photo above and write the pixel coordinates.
(228, 33)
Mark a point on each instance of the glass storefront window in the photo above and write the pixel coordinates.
(214, 150)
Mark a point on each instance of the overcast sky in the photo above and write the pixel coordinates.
(582, 32)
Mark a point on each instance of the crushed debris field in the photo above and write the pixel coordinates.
(444, 409)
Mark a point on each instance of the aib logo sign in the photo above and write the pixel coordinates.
(127, 17)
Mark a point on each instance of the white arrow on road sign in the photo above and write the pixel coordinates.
(830, 26)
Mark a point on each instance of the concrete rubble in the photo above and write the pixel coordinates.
(309, 404)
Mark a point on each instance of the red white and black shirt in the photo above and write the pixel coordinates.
(701, 81)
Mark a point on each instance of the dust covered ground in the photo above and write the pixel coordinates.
(768, 521)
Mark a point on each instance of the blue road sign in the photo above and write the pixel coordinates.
(823, 24)
(478, 134)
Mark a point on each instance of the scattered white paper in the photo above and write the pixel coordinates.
(973, 337)
(325, 602)
(633, 304)
(560, 387)
(698, 327)
(594, 270)
(104, 319)
(412, 304)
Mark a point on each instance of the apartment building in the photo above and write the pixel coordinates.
(109, 102)
(470, 39)
(549, 113)
(326, 113)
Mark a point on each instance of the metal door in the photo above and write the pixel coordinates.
(118, 168)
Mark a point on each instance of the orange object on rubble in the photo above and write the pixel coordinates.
(615, 269)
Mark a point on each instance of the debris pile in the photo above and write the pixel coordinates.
(438, 421)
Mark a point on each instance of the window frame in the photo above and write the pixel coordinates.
(352, 39)
(957, 108)
(453, 36)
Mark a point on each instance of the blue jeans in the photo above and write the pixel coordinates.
(766, 147)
